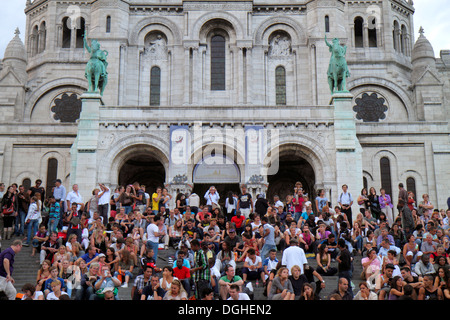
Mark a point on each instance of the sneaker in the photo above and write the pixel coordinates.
(125, 285)
(26, 244)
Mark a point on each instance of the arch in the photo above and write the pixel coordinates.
(146, 25)
(31, 175)
(49, 86)
(62, 165)
(114, 157)
(289, 25)
(228, 17)
(224, 148)
(385, 174)
(358, 29)
(401, 93)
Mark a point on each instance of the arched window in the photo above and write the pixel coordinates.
(42, 37)
(373, 33)
(52, 173)
(395, 36)
(80, 33)
(66, 32)
(155, 86)
(403, 37)
(385, 173)
(327, 24)
(217, 63)
(108, 24)
(411, 186)
(35, 41)
(280, 86)
(358, 26)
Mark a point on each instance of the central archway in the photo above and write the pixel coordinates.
(292, 168)
(145, 169)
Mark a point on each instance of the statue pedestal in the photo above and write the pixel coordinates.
(348, 149)
(84, 150)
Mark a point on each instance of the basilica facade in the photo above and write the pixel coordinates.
(223, 93)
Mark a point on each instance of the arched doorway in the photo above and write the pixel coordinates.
(218, 171)
(145, 169)
(293, 166)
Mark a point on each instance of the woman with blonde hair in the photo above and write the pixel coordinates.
(281, 287)
(176, 291)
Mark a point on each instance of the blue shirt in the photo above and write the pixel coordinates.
(88, 259)
(270, 238)
(60, 193)
(48, 282)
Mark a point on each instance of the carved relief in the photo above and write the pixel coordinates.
(280, 46)
(156, 46)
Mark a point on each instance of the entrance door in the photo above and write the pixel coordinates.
(144, 169)
(222, 188)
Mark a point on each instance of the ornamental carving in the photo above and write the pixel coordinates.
(370, 108)
(67, 107)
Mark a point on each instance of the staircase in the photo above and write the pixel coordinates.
(26, 268)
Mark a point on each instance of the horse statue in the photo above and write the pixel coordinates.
(95, 72)
(337, 69)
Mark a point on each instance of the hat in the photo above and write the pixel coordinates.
(232, 230)
(410, 254)
(101, 255)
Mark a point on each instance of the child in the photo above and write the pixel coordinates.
(48, 288)
(54, 214)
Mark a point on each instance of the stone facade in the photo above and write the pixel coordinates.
(273, 71)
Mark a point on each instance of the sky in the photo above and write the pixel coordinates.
(432, 15)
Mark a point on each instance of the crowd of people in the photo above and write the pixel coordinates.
(88, 249)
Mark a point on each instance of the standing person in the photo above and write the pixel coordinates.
(230, 206)
(23, 199)
(32, 219)
(345, 267)
(153, 235)
(407, 218)
(9, 211)
(200, 272)
(268, 234)
(386, 206)
(75, 196)
(194, 202)
(402, 193)
(54, 214)
(245, 202)
(212, 198)
(103, 202)
(375, 208)
(321, 200)
(7, 268)
(156, 198)
(59, 192)
(294, 255)
(345, 202)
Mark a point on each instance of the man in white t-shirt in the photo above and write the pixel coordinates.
(103, 202)
(294, 255)
(153, 234)
(235, 293)
(75, 196)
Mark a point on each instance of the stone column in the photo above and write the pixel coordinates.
(348, 149)
(84, 149)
